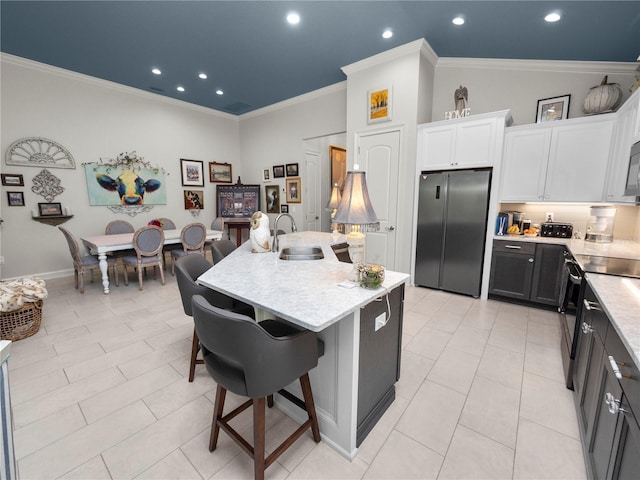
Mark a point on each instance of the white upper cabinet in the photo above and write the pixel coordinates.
(625, 133)
(560, 162)
(467, 142)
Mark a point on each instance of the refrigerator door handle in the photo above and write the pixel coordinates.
(437, 192)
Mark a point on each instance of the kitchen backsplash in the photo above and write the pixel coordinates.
(626, 226)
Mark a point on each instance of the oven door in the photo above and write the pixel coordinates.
(569, 298)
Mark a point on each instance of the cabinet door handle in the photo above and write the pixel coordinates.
(514, 247)
(616, 369)
(591, 306)
(613, 404)
(531, 260)
(586, 328)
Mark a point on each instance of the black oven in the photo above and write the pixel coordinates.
(568, 306)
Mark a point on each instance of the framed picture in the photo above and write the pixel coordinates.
(284, 208)
(16, 199)
(379, 105)
(278, 171)
(294, 190)
(338, 158)
(272, 193)
(552, 109)
(12, 180)
(219, 172)
(193, 200)
(49, 209)
(266, 174)
(237, 201)
(292, 169)
(192, 172)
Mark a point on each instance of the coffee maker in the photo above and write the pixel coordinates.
(600, 225)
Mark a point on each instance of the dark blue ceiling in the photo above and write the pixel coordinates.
(249, 51)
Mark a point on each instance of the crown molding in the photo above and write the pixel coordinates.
(61, 72)
(417, 46)
(625, 68)
(336, 87)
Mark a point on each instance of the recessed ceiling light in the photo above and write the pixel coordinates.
(180, 88)
(388, 33)
(156, 71)
(293, 18)
(552, 17)
(219, 92)
(458, 21)
(203, 76)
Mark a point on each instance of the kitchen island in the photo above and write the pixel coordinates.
(361, 329)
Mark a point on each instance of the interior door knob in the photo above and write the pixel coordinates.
(390, 229)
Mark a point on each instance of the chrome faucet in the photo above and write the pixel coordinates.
(294, 229)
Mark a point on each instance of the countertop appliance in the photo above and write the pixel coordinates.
(452, 227)
(562, 230)
(633, 174)
(600, 225)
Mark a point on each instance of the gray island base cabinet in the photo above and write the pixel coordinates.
(353, 383)
(607, 387)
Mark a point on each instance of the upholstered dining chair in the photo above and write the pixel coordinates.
(168, 224)
(82, 263)
(115, 227)
(147, 243)
(221, 248)
(192, 238)
(217, 224)
(255, 360)
(188, 270)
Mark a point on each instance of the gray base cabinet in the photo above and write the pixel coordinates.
(606, 383)
(526, 271)
(379, 366)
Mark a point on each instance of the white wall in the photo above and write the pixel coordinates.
(276, 136)
(94, 119)
(517, 85)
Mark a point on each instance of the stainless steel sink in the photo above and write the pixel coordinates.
(301, 253)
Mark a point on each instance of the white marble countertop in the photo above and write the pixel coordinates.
(305, 292)
(620, 298)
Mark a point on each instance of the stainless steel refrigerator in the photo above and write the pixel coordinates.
(452, 226)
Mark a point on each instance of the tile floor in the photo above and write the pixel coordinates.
(100, 392)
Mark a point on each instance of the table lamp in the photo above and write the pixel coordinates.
(355, 209)
(333, 206)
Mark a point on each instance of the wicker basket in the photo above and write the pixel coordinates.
(21, 323)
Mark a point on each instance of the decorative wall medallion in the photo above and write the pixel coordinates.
(38, 152)
(47, 185)
(131, 210)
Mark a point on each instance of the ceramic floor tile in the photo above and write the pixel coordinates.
(94, 469)
(419, 422)
(492, 410)
(101, 335)
(502, 366)
(543, 334)
(132, 336)
(208, 463)
(41, 433)
(544, 361)
(412, 322)
(166, 338)
(325, 463)
(145, 448)
(154, 359)
(175, 466)
(455, 369)
(46, 405)
(78, 448)
(402, 457)
(470, 340)
(111, 400)
(105, 361)
(429, 343)
(31, 389)
(447, 321)
(559, 414)
(242, 468)
(543, 453)
(508, 337)
(176, 394)
(474, 456)
(414, 369)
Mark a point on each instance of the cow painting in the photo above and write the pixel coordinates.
(125, 187)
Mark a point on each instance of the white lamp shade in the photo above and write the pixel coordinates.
(355, 205)
(335, 197)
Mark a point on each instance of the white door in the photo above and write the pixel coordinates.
(311, 187)
(379, 157)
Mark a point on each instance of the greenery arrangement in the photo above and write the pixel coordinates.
(130, 160)
(371, 275)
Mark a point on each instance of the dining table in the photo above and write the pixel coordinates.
(101, 245)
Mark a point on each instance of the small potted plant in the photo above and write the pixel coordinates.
(371, 275)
